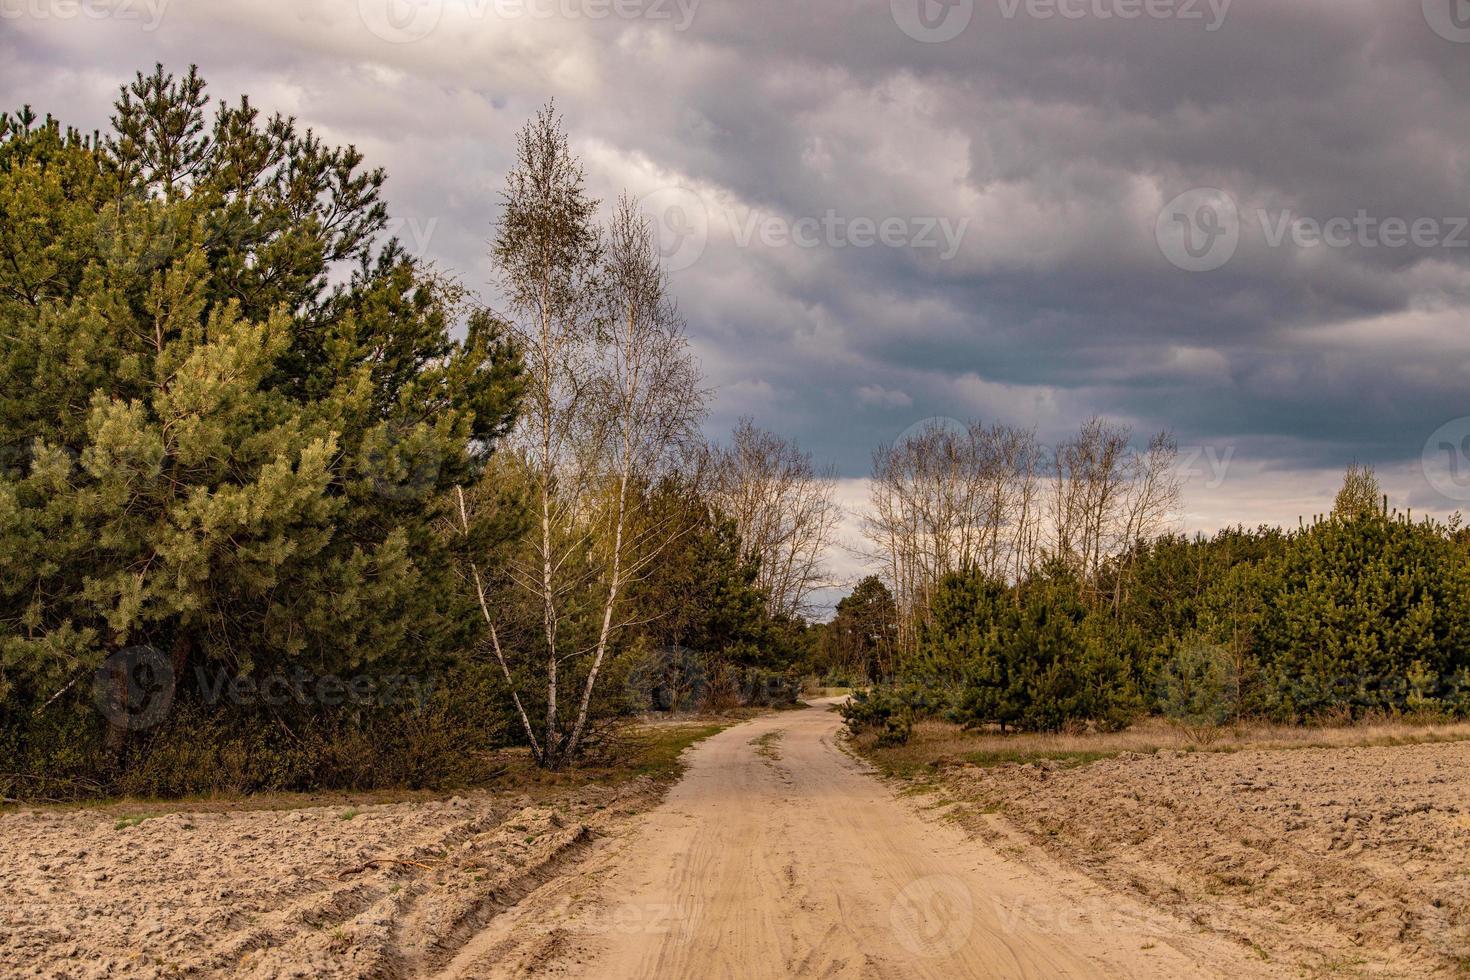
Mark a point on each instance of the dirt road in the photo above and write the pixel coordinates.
(779, 855)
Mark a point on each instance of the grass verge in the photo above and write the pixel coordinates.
(937, 745)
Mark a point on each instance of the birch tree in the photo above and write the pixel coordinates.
(946, 500)
(1089, 479)
(785, 509)
(646, 406)
(547, 249)
(1149, 504)
(613, 399)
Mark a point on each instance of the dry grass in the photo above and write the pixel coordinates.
(826, 692)
(935, 744)
(650, 749)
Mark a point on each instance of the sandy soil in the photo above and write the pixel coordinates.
(1341, 861)
(779, 855)
(270, 893)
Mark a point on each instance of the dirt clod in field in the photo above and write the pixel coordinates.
(1354, 861)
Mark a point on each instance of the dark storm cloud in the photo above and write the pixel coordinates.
(1040, 145)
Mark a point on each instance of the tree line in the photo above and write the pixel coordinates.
(1361, 611)
(991, 500)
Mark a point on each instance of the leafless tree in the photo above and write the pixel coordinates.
(1089, 478)
(1108, 497)
(983, 498)
(945, 500)
(784, 508)
(1151, 500)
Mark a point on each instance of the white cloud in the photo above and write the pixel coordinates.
(883, 397)
(1058, 142)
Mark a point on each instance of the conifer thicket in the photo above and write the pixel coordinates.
(1362, 611)
(230, 407)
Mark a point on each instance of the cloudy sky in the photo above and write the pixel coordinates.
(1243, 221)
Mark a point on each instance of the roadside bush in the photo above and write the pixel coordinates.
(677, 679)
(888, 712)
(439, 740)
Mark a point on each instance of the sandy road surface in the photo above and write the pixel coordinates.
(779, 855)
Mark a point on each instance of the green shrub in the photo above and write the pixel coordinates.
(890, 712)
(1353, 607)
(1198, 689)
(438, 741)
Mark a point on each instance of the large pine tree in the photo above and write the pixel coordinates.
(229, 409)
